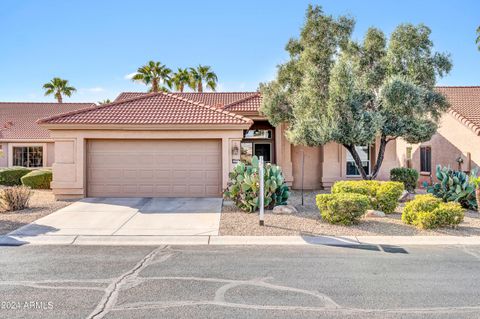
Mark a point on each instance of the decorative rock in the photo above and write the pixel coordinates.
(285, 209)
(406, 197)
(374, 213)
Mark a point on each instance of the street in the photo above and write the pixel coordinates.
(365, 281)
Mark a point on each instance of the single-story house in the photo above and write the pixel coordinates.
(457, 141)
(22, 141)
(183, 144)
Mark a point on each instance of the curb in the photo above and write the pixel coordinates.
(84, 240)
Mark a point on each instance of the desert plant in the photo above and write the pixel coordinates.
(244, 186)
(12, 176)
(342, 208)
(38, 179)
(408, 176)
(382, 195)
(475, 180)
(14, 197)
(387, 196)
(454, 186)
(429, 212)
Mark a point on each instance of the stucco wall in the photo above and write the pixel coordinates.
(50, 154)
(312, 177)
(4, 157)
(452, 140)
(69, 169)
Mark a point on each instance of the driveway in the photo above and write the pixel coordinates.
(130, 216)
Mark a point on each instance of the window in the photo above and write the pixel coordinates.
(258, 134)
(425, 159)
(28, 156)
(364, 153)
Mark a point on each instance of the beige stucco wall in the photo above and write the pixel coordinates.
(312, 170)
(50, 154)
(4, 157)
(452, 140)
(69, 169)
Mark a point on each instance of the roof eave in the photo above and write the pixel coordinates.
(147, 127)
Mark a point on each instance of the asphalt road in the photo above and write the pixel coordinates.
(239, 282)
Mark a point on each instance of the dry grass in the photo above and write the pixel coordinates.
(40, 204)
(308, 222)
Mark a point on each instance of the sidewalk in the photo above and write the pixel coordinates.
(118, 240)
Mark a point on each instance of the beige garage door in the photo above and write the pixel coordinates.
(154, 168)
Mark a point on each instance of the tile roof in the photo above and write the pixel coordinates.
(17, 119)
(152, 108)
(248, 104)
(215, 99)
(464, 104)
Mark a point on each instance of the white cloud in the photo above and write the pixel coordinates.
(129, 76)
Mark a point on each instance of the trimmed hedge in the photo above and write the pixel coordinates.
(429, 212)
(382, 195)
(12, 176)
(408, 176)
(38, 179)
(342, 208)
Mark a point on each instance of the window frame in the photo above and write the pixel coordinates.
(429, 158)
(369, 161)
(11, 146)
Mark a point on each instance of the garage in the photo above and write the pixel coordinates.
(154, 168)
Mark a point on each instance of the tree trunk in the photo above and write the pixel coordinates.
(58, 95)
(181, 88)
(358, 161)
(477, 193)
(155, 85)
(200, 87)
(380, 156)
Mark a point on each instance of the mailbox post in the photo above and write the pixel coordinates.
(262, 191)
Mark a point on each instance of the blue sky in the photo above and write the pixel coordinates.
(95, 44)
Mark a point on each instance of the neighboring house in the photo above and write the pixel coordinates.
(457, 141)
(22, 141)
(183, 144)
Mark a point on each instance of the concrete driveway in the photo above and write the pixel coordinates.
(130, 216)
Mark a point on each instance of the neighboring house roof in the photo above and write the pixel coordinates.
(464, 104)
(233, 101)
(17, 119)
(152, 108)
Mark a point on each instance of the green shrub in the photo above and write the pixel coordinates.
(12, 176)
(244, 186)
(429, 212)
(14, 198)
(387, 196)
(454, 186)
(38, 179)
(408, 176)
(382, 195)
(342, 208)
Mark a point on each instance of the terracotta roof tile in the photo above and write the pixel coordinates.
(215, 99)
(464, 104)
(17, 119)
(248, 104)
(153, 108)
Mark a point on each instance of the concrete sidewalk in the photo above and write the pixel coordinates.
(119, 240)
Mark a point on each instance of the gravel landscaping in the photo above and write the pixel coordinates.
(41, 204)
(308, 222)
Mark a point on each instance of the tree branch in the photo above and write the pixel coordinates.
(358, 161)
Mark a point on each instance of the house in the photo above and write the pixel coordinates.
(183, 144)
(457, 141)
(22, 141)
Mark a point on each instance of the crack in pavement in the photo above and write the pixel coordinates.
(471, 253)
(130, 277)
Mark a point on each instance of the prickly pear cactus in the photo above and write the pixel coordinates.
(244, 186)
(454, 186)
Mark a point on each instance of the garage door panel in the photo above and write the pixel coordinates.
(151, 168)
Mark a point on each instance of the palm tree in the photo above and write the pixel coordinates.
(201, 74)
(478, 38)
(180, 79)
(58, 87)
(107, 101)
(154, 73)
